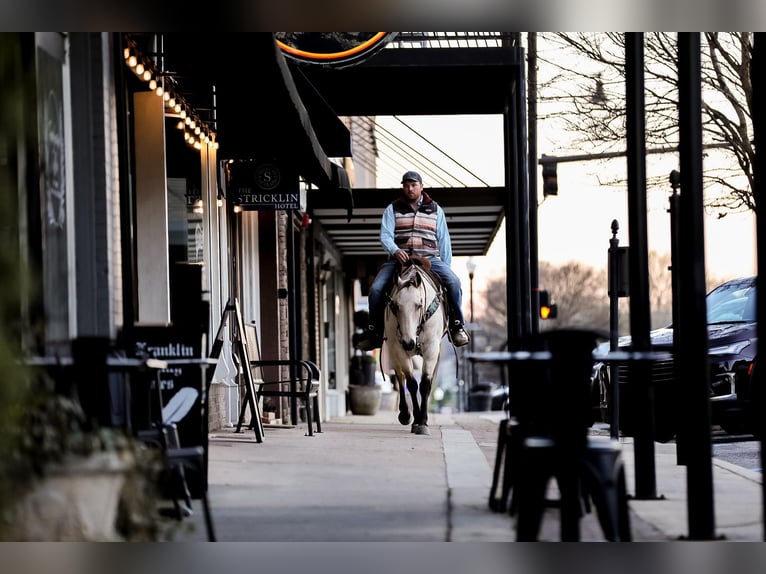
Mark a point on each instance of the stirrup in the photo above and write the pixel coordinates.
(459, 336)
(371, 339)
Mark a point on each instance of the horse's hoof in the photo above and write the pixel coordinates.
(405, 418)
(422, 429)
(414, 429)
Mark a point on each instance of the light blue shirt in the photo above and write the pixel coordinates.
(388, 225)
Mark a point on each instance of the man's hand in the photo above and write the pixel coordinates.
(402, 256)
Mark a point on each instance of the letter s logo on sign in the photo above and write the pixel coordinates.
(267, 176)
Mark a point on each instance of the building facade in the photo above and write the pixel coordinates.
(130, 217)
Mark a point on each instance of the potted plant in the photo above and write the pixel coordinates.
(364, 394)
(66, 479)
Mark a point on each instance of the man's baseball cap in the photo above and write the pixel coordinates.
(412, 176)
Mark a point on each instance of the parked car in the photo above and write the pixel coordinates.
(733, 347)
(487, 396)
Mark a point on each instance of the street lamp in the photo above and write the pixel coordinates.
(470, 266)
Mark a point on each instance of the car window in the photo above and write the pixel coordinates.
(731, 302)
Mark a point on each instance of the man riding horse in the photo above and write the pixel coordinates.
(414, 224)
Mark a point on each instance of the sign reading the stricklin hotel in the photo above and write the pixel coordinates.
(265, 186)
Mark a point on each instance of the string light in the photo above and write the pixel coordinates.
(145, 70)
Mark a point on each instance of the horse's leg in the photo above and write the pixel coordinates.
(404, 409)
(412, 387)
(421, 415)
(427, 377)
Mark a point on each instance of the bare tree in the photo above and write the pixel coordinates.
(580, 293)
(660, 289)
(589, 97)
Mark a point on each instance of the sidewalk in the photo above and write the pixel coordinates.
(368, 479)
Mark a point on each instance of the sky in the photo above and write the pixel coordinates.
(574, 225)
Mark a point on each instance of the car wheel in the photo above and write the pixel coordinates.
(733, 421)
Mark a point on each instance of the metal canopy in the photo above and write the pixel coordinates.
(419, 73)
(473, 217)
(421, 81)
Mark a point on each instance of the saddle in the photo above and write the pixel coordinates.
(425, 264)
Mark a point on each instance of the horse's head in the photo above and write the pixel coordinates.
(407, 306)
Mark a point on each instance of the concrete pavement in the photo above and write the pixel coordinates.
(368, 479)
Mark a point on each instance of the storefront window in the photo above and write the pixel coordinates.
(53, 189)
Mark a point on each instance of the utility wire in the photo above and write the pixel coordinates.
(401, 145)
(397, 118)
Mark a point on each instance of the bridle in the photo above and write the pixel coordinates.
(426, 312)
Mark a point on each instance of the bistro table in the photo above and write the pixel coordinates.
(546, 433)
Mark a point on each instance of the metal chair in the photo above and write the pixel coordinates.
(302, 384)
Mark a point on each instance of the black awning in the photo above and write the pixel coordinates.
(274, 122)
(260, 113)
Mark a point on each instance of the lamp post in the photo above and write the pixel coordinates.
(471, 268)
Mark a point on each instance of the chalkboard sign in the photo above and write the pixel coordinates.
(182, 392)
(168, 343)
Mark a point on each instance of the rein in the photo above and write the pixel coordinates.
(430, 310)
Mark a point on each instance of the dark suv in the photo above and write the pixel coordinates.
(733, 347)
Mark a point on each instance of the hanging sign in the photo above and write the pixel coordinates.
(265, 186)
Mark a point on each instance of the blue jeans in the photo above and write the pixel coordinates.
(384, 281)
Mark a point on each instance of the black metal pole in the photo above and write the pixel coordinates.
(473, 366)
(640, 373)
(614, 332)
(534, 272)
(524, 207)
(675, 254)
(757, 71)
(690, 348)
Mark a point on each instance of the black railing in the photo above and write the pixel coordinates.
(408, 40)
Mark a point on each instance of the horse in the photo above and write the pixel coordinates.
(415, 323)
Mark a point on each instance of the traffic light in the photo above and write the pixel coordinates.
(547, 310)
(550, 179)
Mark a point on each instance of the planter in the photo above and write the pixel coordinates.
(362, 370)
(76, 501)
(389, 401)
(364, 399)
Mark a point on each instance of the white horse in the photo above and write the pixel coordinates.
(416, 322)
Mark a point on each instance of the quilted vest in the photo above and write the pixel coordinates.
(415, 231)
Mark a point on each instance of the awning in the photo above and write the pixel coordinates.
(260, 114)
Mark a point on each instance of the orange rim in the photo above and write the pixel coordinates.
(335, 55)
